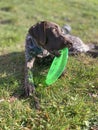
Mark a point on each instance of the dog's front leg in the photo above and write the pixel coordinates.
(29, 83)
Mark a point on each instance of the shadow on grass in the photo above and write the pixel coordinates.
(12, 72)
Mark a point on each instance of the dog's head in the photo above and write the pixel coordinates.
(49, 35)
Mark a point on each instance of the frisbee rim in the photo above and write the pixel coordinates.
(58, 60)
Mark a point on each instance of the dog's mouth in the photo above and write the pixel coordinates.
(68, 44)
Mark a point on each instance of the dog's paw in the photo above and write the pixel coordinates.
(29, 89)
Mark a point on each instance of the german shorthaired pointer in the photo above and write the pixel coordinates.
(47, 38)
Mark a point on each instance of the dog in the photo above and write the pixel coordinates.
(43, 39)
(47, 38)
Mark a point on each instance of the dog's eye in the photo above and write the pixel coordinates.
(55, 32)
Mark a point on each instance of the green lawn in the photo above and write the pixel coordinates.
(71, 103)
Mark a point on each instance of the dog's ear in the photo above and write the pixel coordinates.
(39, 32)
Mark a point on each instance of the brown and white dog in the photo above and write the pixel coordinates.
(47, 38)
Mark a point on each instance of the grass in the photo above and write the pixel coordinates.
(71, 103)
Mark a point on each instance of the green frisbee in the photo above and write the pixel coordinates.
(57, 67)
